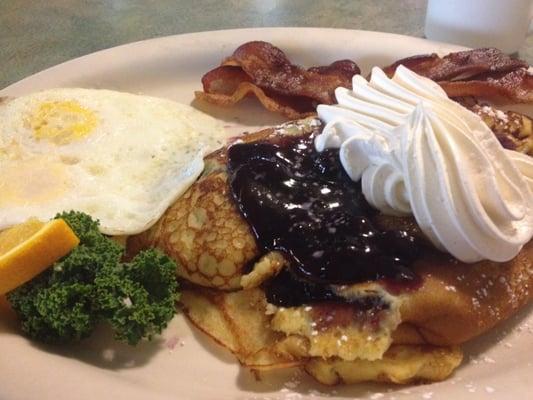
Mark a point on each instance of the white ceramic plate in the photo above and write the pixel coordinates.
(183, 364)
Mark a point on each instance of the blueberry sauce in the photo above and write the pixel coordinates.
(302, 203)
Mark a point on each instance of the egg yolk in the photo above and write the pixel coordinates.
(62, 122)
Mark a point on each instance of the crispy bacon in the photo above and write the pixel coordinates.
(461, 65)
(481, 73)
(224, 80)
(228, 84)
(263, 70)
(269, 68)
(515, 86)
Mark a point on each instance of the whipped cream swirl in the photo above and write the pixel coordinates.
(418, 152)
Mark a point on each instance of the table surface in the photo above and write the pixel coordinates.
(35, 35)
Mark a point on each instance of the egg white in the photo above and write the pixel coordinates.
(120, 157)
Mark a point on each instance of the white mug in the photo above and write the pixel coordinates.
(503, 24)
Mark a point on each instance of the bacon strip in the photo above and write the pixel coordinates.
(516, 86)
(224, 80)
(481, 73)
(269, 68)
(227, 85)
(263, 70)
(461, 65)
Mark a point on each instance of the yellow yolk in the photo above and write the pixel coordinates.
(62, 122)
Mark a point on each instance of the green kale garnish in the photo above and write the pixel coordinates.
(92, 284)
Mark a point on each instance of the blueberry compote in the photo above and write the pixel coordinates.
(302, 203)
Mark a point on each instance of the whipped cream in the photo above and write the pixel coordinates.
(418, 152)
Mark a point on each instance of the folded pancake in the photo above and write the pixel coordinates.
(203, 230)
(513, 130)
(369, 332)
(241, 321)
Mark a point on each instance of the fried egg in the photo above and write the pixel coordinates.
(120, 157)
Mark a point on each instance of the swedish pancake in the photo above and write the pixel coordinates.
(455, 303)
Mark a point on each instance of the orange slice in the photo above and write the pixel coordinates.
(28, 249)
